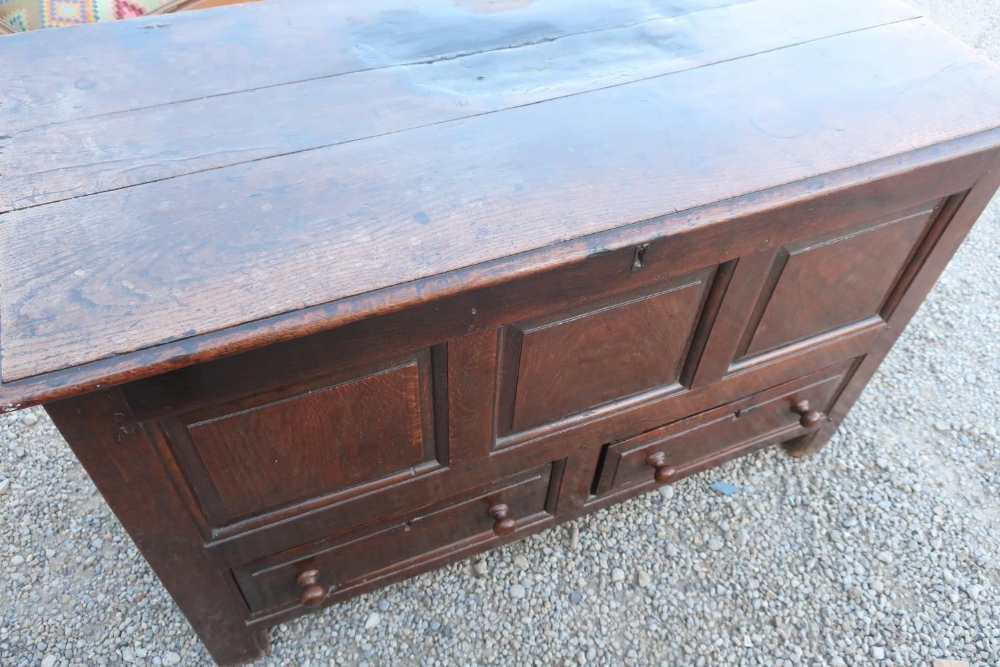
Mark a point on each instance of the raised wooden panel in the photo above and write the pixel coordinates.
(246, 459)
(821, 284)
(575, 360)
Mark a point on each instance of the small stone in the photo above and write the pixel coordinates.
(171, 658)
(17, 560)
(666, 491)
(723, 488)
(50, 553)
(97, 543)
(643, 579)
(481, 568)
(383, 605)
(715, 544)
(49, 661)
(4, 485)
(30, 419)
(878, 652)
(974, 591)
(374, 619)
(855, 592)
(581, 658)
(517, 591)
(886, 556)
(521, 562)
(576, 597)
(617, 574)
(574, 537)
(837, 661)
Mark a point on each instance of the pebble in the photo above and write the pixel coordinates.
(17, 560)
(617, 574)
(170, 658)
(715, 544)
(4, 485)
(517, 591)
(49, 661)
(642, 578)
(481, 568)
(520, 562)
(374, 619)
(886, 556)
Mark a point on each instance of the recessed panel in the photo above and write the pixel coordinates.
(581, 360)
(316, 443)
(829, 283)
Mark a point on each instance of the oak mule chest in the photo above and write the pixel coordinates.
(324, 295)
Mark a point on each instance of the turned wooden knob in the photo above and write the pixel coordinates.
(807, 416)
(664, 473)
(313, 593)
(503, 522)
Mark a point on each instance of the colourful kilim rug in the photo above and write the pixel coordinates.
(34, 14)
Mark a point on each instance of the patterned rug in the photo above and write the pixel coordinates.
(34, 14)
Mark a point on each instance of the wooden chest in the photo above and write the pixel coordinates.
(327, 294)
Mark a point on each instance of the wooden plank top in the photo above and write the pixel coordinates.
(218, 171)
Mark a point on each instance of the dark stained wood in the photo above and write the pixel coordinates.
(955, 221)
(668, 454)
(321, 442)
(126, 286)
(821, 284)
(777, 216)
(110, 444)
(164, 141)
(273, 581)
(413, 296)
(342, 37)
(572, 361)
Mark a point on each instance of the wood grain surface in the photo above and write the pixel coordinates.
(182, 233)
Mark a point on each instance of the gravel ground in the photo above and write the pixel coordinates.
(878, 551)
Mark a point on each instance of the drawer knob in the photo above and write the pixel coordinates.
(313, 593)
(807, 416)
(664, 473)
(503, 522)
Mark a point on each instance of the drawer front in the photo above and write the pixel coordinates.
(483, 515)
(691, 445)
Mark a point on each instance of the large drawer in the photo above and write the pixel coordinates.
(307, 575)
(669, 453)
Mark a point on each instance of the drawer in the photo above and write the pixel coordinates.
(667, 454)
(307, 575)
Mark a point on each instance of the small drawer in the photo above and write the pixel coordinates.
(307, 575)
(680, 449)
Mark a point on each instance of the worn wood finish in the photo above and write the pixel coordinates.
(126, 286)
(390, 94)
(318, 327)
